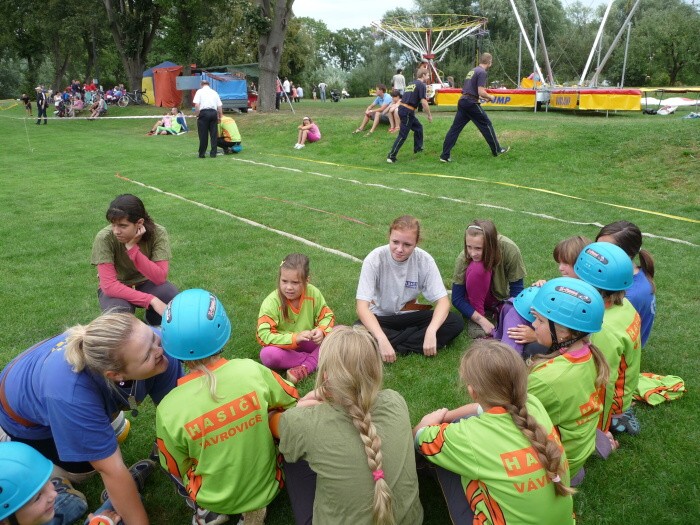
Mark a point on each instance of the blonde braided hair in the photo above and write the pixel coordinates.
(350, 376)
(499, 377)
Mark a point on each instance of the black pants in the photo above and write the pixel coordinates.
(207, 130)
(469, 110)
(41, 112)
(408, 122)
(406, 332)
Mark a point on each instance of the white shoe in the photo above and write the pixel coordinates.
(299, 146)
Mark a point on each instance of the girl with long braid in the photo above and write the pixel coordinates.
(501, 451)
(347, 445)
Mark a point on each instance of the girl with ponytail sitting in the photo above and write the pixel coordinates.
(347, 446)
(570, 380)
(507, 459)
(642, 292)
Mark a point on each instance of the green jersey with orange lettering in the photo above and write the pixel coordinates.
(275, 330)
(503, 479)
(621, 344)
(223, 450)
(566, 387)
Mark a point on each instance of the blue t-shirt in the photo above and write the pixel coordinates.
(475, 78)
(643, 299)
(381, 100)
(415, 92)
(73, 409)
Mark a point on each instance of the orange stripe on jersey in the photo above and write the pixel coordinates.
(495, 511)
(619, 387)
(323, 313)
(289, 389)
(194, 482)
(430, 448)
(169, 459)
(267, 320)
(279, 476)
(634, 330)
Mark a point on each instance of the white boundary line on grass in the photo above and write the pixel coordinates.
(245, 221)
(499, 183)
(460, 201)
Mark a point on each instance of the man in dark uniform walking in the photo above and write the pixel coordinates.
(469, 109)
(414, 94)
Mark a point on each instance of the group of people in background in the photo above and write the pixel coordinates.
(72, 100)
(550, 374)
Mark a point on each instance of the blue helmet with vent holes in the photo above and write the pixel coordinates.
(571, 303)
(605, 266)
(523, 302)
(195, 325)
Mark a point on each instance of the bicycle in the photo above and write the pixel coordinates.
(136, 96)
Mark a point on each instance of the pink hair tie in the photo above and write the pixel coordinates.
(378, 474)
(556, 479)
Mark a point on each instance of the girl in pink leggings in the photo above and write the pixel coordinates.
(293, 321)
(488, 271)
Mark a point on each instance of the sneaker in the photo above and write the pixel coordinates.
(502, 151)
(64, 486)
(300, 146)
(140, 472)
(626, 422)
(207, 517)
(254, 517)
(448, 159)
(390, 160)
(296, 374)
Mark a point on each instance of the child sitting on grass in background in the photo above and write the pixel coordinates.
(499, 459)
(308, 130)
(293, 321)
(213, 430)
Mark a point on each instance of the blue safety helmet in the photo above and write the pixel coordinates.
(237, 148)
(23, 472)
(571, 303)
(605, 266)
(195, 325)
(523, 302)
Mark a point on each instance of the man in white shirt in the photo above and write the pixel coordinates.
(208, 109)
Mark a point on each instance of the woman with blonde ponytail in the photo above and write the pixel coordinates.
(61, 396)
(347, 446)
(501, 451)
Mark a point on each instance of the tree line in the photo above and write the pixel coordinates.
(54, 41)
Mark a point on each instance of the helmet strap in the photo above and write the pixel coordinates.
(558, 345)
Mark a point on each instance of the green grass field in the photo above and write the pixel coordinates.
(229, 220)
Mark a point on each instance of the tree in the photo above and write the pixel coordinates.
(133, 24)
(274, 17)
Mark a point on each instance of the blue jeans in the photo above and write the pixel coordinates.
(69, 508)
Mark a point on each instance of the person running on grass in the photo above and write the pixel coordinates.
(414, 94)
(469, 109)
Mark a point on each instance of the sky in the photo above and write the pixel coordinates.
(354, 14)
